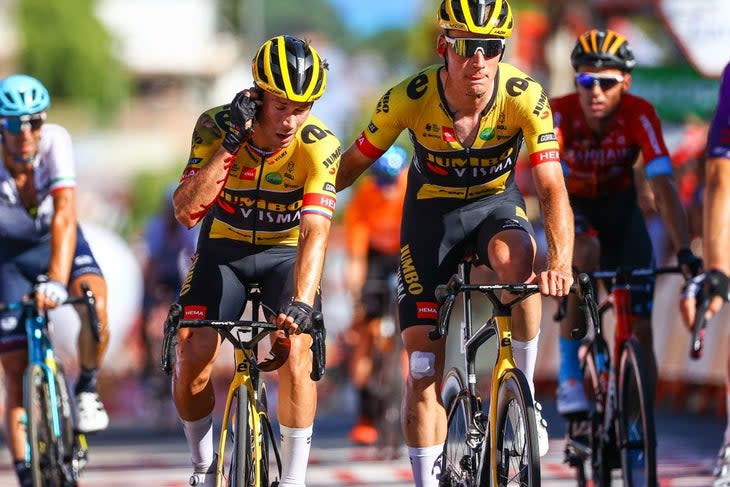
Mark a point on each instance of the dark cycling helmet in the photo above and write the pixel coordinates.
(388, 167)
(21, 94)
(602, 49)
(487, 17)
(290, 68)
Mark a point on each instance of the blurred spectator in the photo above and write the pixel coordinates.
(169, 247)
(373, 244)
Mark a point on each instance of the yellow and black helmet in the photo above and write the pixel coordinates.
(602, 49)
(290, 68)
(487, 17)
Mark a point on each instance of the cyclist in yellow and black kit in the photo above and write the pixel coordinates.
(467, 119)
(260, 180)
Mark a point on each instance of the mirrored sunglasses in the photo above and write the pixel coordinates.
(605, 81)
(469, 46)
(16, 125)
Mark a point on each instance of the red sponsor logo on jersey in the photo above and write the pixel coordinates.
(321, 200)
(427, 310)
(248, 173)
(544, 115)
(194, 312)
(550, 155)
(448, 134)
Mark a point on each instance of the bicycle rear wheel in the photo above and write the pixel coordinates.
(464, 437)
(41, 439)
(518, 454)
(596, 371)
(637, 438)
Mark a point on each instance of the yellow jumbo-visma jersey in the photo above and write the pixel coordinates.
(265, 195)
(519, 110)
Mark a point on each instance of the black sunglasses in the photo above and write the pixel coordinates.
(605, 81)
(16, 125)
(469, 46)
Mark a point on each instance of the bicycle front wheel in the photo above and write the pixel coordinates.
(464, 437)
(637, 437)
(240, 471)
(270, 472)
(596, 370)
(67, 448)
(40, 436)
(517, 450)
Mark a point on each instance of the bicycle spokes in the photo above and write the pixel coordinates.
(514, 451)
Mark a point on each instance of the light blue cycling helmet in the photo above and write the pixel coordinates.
(21, 94)
(387, 167)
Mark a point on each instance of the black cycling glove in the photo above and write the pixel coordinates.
(690, 264)
(711, 283)
(242, 111)
(301, 313)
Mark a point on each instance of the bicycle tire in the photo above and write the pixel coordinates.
(460, 462)
(66, 441)
(40, 437)
(241, 472)
(516, 433)
(595, 370)
(636, 429)
(269, 473)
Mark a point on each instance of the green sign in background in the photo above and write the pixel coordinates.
(676, 91)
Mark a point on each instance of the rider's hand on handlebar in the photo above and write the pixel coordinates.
(49, 294)
(295, 318)
(713, 283)
(554, 283)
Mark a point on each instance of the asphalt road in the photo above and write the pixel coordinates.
(156, 456)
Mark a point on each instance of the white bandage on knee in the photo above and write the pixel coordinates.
(422, 364)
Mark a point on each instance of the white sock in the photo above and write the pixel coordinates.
(295, 444)
(426, 465)
(199, 434)
(525, 354)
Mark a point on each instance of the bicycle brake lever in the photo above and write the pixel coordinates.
(171, 324)
(585, 294)
(319, 335)
(698, 330)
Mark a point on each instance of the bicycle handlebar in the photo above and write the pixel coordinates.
(174, 323)
(446, 297)
(87, 298)
(625, 274)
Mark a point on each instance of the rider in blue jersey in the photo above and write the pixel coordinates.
(716, 242)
